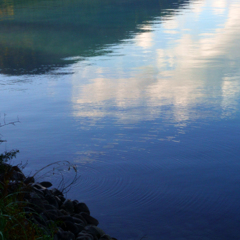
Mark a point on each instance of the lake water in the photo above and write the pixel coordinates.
(143, 96)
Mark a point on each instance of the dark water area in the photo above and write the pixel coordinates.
(143, 96)
(46, 32)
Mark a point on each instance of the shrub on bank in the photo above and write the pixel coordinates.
(33, 210)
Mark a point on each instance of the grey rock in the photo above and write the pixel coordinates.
(16, 168)
(80, 226)
(35, 200)
(68, 206)
(75, 202)
(105, 237)
(70, 226)
(51, 214)
(65, 218)
(47, 192)
(38, 186)
(29, 180)
(81, 207)
(65, 235)
(96, 231)
(64, 212)
(85, 236)
(79, 220)
(17, 176)
(52, 200)
(46, 184)
(38, 192)
(50, 207)
(79, 216)
(62, 198)
(58, 200)
(90, 220)
(56, 192)
(37, 204)
(89, 237)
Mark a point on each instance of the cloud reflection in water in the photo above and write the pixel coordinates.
(179, 69)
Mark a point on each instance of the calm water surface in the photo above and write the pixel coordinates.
(144, 96)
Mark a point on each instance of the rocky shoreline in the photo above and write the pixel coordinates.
(48, 209)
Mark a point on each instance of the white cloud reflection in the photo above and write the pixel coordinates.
(175, 78)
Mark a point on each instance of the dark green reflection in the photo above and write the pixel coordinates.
(36, 35)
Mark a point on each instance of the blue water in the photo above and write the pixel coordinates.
(143, 96)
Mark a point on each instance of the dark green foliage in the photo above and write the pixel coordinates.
(8, 155)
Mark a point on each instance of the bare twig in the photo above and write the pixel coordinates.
(5, 124)
(62, 184)
(9, 123)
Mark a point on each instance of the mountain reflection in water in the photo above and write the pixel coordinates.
(37, 35)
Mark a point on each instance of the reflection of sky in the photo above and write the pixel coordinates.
(175, 69)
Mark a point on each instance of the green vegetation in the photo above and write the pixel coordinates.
(14, 223)
(14, 220)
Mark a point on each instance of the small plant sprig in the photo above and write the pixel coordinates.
(8, 155)
(7, 123)
(63, 186)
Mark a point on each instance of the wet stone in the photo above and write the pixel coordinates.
(16, 168)
(85, 236)
(49, 207)
(70, 226)
(79, 216)
(46, 184)
(65, 218)
(81, 207)
(38, 192)
(38, 186)
(29, 180)
(68, 206)
(47, 192)
(80, 226)
(17, 176)
(75, 202)
(96, 231)
(65, 235)
(90, 220)
(56, 192)
(51, 214)
(64, 212)
(61, 198)
(58, 200)
(42, 207)
(52, 200)
(37, 204)
(105, 237)
(78, 220)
